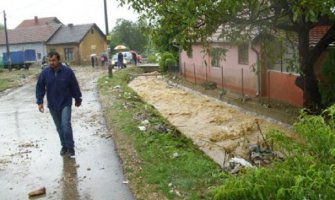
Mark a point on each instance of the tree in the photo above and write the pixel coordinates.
(128, 33)
(189, 21)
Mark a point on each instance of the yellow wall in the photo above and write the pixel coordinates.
(93, 43)
(60, 50)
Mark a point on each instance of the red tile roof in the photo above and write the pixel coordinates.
(38, 22)
(317, 33)
(32, 34)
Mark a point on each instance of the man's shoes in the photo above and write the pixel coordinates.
(63, 151)
(71, 153)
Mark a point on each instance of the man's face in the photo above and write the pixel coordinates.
(53, 62)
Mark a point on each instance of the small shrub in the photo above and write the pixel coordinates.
(152, 59)
(307, 172)
(167, 60)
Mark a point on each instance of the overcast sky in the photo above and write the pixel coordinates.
(67, 11)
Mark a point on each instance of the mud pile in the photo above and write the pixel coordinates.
(219, 129)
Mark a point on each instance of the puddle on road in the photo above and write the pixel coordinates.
(216, 127)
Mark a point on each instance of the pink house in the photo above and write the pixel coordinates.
(229, 71)
(240, 71)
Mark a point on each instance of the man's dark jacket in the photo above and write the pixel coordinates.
(61, 86)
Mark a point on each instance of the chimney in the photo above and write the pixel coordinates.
(36, 19)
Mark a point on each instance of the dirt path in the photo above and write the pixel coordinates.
(219, 129)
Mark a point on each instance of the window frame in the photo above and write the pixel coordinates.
(243, 54)
(68, 54)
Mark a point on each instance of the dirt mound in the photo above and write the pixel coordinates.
(218, 128)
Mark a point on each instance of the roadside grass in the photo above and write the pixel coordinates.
(164, 161)
(307, 172)
(16, 78)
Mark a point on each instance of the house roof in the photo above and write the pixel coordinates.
(73, 34)
(38, 22)
(317, 33)
(32, 34)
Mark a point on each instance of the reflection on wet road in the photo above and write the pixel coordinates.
(29, 149)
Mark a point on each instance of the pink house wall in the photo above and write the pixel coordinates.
(231, 75)
(239, 78)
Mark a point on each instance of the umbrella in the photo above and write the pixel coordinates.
(120, 47)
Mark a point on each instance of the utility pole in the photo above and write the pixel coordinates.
(110, 68)
(7, 45)
(106, 17)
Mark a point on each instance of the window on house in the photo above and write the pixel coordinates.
(52, 50)
(288, 61)
(215, 54)
(189, 54)
(243, 54)
(68, 52)
(92, 31)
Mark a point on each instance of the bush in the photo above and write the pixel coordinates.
(152, 59)
(167, 60)
(327, 85)
(307, 172)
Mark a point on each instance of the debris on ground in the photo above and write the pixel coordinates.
(161, 128)
(37, 192)
(142, 128)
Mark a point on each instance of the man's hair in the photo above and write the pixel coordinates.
(54, 53)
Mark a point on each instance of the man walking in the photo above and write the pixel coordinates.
(61, 85)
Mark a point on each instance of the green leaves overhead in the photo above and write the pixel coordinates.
(190, 21)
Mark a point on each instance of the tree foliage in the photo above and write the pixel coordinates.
(327, 84)
(129, 34)
(185, 22)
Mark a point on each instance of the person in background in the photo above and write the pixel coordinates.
(102, 59)
(92, 60)
(120, 60)
(134, 58)
(60, 85)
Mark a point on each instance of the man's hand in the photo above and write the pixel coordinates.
(41, 108)
(77, 103)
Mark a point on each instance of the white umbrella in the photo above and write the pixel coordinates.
(120, 47)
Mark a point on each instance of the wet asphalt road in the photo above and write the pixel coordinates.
(29, 150)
